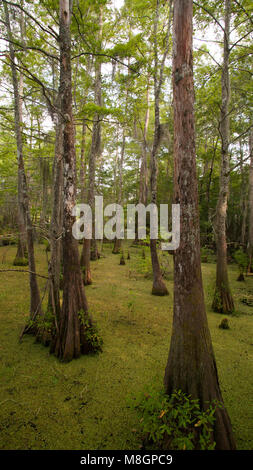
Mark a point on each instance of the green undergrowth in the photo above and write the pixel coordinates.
(45, 404)
(175, 422)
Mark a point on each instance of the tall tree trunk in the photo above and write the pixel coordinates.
(45, 177)
(243, 199)
(223, 301)
(56, 221)
(96, 137)
(83, 163)
(143, 195)
(191, 364)
(35, 304)
(95, 151)
(210, 179)
(83, 160)
(159, 287)
(71, 335)
(250, 240)
(20, 258)
(117, 241)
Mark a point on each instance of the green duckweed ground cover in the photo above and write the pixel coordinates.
(45, 404)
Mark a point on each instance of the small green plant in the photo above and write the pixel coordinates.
(175, 422)
(92, 336)
(131, 305)
(224, 324)
(46, 322)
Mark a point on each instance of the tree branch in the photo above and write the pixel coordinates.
(207, 52)
(33, 48)
(101, 54)
(22, 271)
(209, 13)
(51, 32)
(243, 133)
(243, 9)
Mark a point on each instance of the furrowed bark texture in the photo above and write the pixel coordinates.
(71, 339)
(83, 163)
(191, 364)
(56, 221)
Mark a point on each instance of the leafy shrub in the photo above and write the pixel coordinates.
(175, 422)
(45, 322)
(92, 336)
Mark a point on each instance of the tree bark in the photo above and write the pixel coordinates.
(210, 179)
(21, 255)
(117, 241)
(243, 199)
(71, 336)
(45, 177)
(56, 225)
(83, 159)
(95, 151)
(83, 164)
(143, 195)
(159, 287)
(191, 364)
(223, 301)
(250, 240)
(35, 304)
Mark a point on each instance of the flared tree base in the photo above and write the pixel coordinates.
(199, 380)
(223, 301)
(116, 247)
(20, 261)
(159, 288)
(94, 256)
(75, 335)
